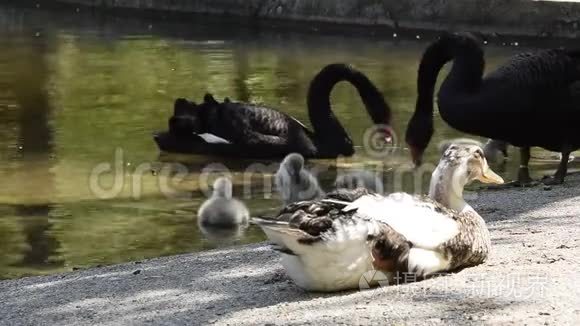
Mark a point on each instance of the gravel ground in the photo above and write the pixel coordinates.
(531, 278)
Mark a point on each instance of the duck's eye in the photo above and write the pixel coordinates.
(479, 153)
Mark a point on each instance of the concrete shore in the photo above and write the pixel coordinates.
(517, 17)
(531, 278)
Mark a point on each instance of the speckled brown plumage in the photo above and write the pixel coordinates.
(472, 245)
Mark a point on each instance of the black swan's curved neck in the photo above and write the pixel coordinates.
(467, 71)
(326, 126)
(466, 75)
(433, 60)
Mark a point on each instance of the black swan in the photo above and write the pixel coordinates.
(532, 100)
(247, 130)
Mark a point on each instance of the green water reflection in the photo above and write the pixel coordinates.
(70, 97)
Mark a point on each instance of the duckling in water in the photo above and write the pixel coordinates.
(360, 179)
(329, 244)
(495, 151)
(294, 182)
(221, 210)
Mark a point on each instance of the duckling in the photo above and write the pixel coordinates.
(294, 182)
(329, 244)
(495, 150)
(360, 179)
(221, 210)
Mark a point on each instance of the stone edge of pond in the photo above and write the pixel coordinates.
(516, 17)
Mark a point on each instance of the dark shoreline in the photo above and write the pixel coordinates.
(514, 17)
(25, 15)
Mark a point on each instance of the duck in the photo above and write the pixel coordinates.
(533, 100)
(329, 244)
(222, 210)
(495, 151)
(360, 179)
(257, 131)
(294, 182)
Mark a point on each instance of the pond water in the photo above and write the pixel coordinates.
(81, 93)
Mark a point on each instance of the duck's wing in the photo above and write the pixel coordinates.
(423, 222)
(308, 222)
(281, 233)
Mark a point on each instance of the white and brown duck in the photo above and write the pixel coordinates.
(328, 244)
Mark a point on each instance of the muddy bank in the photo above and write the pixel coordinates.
(521, 17)
(531, 278)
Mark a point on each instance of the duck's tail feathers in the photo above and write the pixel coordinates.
(264, 221)
(285, 238)
(283, 250)
(336, 202)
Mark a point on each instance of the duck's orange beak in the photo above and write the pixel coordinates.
(488, 176)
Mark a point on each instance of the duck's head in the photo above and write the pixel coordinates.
(222, 187)
(459, 165)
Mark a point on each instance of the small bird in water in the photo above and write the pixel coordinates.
(221, 210)
(495, 151)
(294, 183)
(360, 179)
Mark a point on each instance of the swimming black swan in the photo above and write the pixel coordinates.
(532, 100)
(249, 130)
